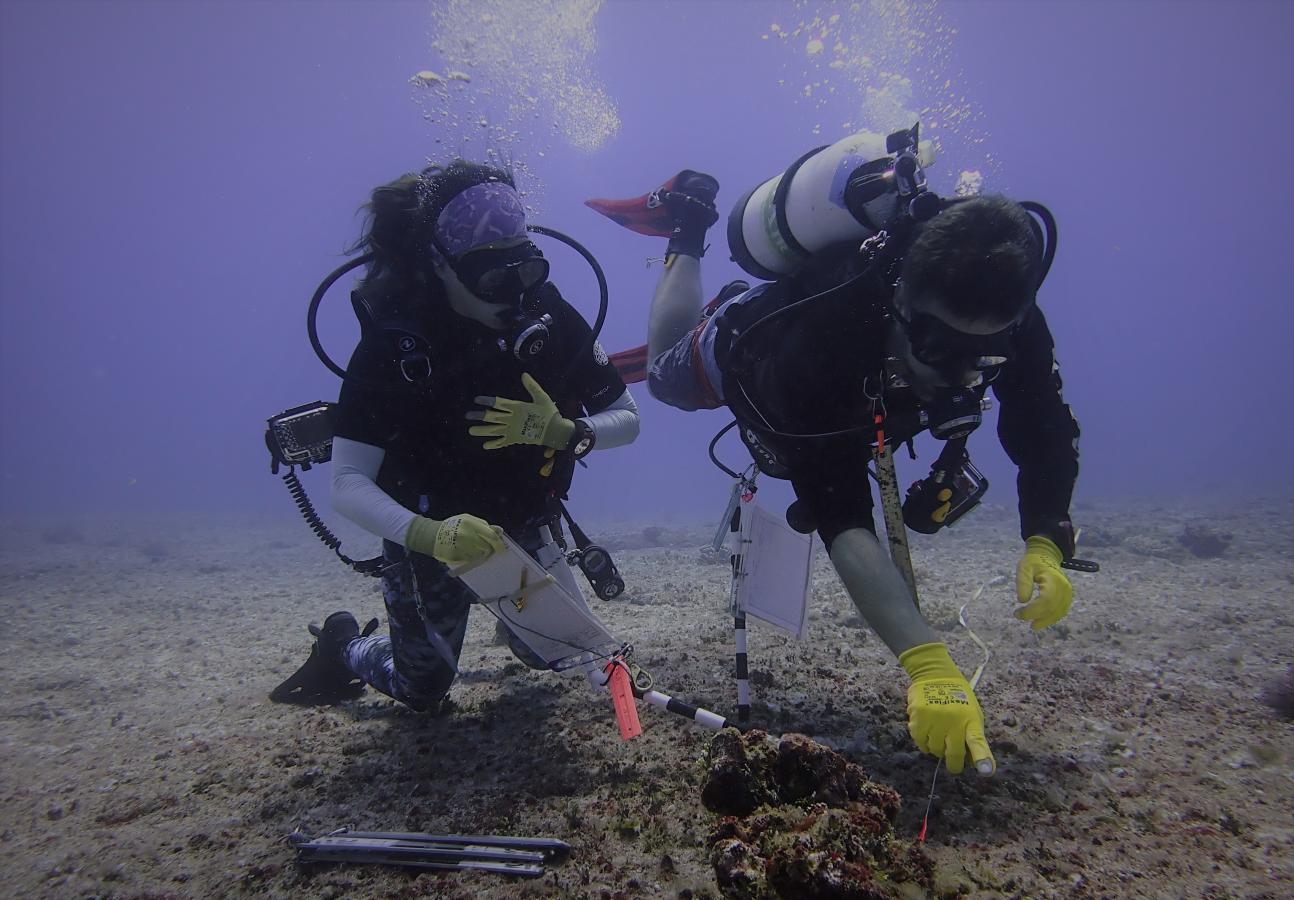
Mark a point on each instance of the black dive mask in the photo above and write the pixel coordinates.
(515, 277)
(502, 276)
(950, 352)
(954, 411)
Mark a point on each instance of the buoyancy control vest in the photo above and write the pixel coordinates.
(747, 367)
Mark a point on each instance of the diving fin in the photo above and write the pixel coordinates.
(631, 364)
(647, 214)
(323, 679)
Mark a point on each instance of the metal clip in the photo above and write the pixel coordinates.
(875, 244)
(519, 598)
(725, 524)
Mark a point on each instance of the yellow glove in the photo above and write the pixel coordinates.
(521, 422)
(457, 541)
(944, 717)
(1041, 567)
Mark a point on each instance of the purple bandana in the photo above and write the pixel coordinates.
(482, 214)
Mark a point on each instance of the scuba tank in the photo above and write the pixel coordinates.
(862, 184)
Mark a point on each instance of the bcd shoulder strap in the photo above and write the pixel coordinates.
(406, 338)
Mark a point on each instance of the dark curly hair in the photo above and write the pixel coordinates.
(980, 257)
(400, 216)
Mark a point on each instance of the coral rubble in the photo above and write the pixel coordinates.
(800, 820)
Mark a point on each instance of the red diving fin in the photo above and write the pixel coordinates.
(631, 364)
(645, 215)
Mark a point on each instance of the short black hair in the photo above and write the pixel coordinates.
(401, 215)
(980, 257)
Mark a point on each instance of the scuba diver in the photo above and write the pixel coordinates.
(474, 389)
(887, 312)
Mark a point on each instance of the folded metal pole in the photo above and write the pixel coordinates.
(491, 853)
(551, 848)
(527, 870)
(425, 856)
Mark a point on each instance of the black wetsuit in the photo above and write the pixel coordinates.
(432, 463)
(818, 369)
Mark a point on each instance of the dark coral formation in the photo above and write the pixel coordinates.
(801, 821)
(738, 779)
(1204, 542)
(1279, 693)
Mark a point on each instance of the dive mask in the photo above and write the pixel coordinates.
(502, 276)
(948, 351)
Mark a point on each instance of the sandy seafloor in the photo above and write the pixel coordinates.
(141, 757)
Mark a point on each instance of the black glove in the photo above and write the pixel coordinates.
(689, 197)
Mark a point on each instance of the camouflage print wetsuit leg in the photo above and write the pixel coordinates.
(418, 662)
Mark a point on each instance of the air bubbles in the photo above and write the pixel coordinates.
(893, 61)
(970, 183)
(426, 78)
(516, 76)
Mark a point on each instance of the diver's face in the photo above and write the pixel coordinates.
(487, 310)
(468, 305)
(934, 349)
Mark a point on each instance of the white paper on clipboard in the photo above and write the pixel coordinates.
(776, 562)
(547, 619)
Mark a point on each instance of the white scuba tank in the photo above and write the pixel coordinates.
(782, 222)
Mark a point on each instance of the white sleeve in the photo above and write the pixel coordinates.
(616, 425)
(355, 493)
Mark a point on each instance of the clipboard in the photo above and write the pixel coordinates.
(517, 590)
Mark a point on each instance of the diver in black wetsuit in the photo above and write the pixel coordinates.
(434, 451)
(936, 314)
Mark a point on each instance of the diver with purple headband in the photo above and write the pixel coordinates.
(480, 236)
(472, 393)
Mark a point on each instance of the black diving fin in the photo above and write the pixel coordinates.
(323, 680)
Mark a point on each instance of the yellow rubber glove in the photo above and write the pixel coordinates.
(521, 422)
(456, 541)
(944, 717)
(1040, 568)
